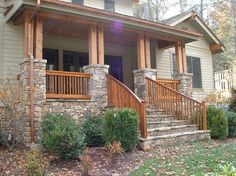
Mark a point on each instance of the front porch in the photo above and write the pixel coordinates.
(81, 65)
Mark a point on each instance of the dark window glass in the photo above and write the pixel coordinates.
(52, 57)
(194, 67)
(74, 61)
(80, 2)
(110, 5)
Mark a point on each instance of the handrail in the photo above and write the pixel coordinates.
(121, 96)
(176, 103)
(67, 85)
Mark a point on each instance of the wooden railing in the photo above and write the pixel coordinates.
(121, 96)
(177, 104)
(171, 83)
(67, 85)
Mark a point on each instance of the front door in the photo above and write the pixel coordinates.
(116, 68)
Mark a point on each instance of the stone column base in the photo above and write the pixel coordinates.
(39, 96)
(98, 83)
(140, 86)
(186, 81)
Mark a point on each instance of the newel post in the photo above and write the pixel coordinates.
(204, 126)
(143, 119)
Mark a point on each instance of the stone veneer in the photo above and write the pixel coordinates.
(186, 80)
(140, 86)
(79, 110)
(39, 98)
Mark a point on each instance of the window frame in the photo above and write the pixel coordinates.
(174, 70)
(107, 3)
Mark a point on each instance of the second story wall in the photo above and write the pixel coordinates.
(121, 6)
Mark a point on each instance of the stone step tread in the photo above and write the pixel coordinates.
(166, 121)
(160, 115)
(170, 128)
(174, 135)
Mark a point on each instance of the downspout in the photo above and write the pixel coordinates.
(31, 71)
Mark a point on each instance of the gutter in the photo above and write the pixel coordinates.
(31, 74)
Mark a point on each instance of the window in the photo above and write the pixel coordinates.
(194, 67)
(74, 61)
(110, 5)
(223, 85)
(52, 57)
(80, 2)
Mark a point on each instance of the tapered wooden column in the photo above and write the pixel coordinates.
(38, 43)
(93, 54)
(141, 51)
(147, 52)
(100, 45)
(28, 36)
(181, 59)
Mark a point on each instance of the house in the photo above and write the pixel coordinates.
(81, 56)
(224, 82)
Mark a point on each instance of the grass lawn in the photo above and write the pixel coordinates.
(189, 159)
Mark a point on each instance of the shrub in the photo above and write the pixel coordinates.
(63, 136)
(232, 105)
(93, 131)
(217, 122)
(231, 122)
(121, 125)
(35, 164)
(12, 117)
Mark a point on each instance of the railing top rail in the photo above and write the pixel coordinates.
(126, 88)
(63, 73)
(173, 90)
(168, 80)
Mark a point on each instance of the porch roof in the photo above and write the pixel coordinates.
(139, 25)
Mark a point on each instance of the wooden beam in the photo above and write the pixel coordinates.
(38, 49)
(215, 47)
(178, 51)
(184, 58)
(141, 51)
(93, 44)
(100, 45)
(28, 36)
(147, 52)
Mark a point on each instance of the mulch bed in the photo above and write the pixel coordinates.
(12, 164)
(102, 164)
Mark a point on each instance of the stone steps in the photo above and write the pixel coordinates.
(171, 130)
(168, 123)
(154, 141)
(152, 118)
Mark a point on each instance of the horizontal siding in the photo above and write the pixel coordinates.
(1, 37)
(99, 4)
(124, 7)
(13, 49)
(197, 49)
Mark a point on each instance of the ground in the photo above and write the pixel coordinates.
(193, 158)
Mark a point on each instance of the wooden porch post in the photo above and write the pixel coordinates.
(100, 45)
(93, 59)
(181, 57)
(28, 36)
(141, 51)
(38, 49)
(147, 52)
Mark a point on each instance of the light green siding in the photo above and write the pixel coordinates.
(199, 49)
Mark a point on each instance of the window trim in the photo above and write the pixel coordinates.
(187, 56)
(109, 1)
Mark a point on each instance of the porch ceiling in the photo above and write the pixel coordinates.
(91, 15)
(112, 35)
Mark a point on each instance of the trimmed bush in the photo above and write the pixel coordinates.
(93, 131)
(232, 105)
(121, 125)
(217, 122)
(231, 123)
(63, 136)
